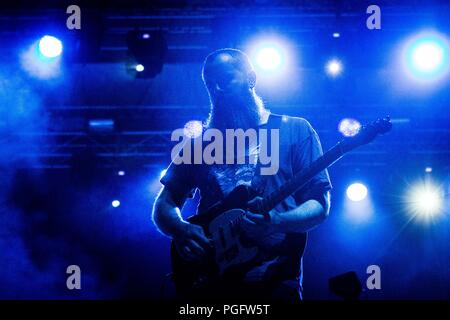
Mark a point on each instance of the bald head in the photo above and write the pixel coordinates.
(230, 80)
(228, 71)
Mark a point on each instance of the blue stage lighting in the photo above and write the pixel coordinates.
(428, 169)
(426, 56)
(42, 59)
(269, 58)
(333, 67)
(425, 200)
(139, 68)
(50, 46)
(121, 173)
(357, 192)
(101, 125)
(336, 34)
(271, 55)
(162, 173)
(193, 129)
(349, 127)
(115, 203)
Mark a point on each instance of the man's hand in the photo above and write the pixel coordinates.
(256, 224)
(191, 242)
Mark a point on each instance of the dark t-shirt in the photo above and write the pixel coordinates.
(299, 146)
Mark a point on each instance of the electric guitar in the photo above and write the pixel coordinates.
(233, 255)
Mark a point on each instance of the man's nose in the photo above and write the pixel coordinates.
(227, 85)
(223, 85)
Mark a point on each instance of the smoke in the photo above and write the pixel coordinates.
(50, 220)
(34, 247)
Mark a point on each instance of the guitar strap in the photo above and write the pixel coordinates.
(259, 182)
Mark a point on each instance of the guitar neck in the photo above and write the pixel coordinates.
(303, 177)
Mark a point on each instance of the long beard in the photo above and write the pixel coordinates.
(236, 112)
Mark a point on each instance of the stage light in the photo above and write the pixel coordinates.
(349, 127)
(357, 192)
(425, 200)
(115, 203)
(193, 129)
(336, 34)
(101, 125)
(121, 173)
(162, 173)
(140, 68)
(271, 55)
(149, 49)
(333, 67)
(428, 169)
(426, 56)
(50, 46)
(40, 60)
(269, 58)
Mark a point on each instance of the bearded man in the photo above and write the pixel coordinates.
(230, 80)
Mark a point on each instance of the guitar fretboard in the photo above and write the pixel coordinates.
(302, 178)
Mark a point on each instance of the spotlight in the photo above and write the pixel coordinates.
(269, 58)
(349, 127)
(101, 125)
(149, 49)
(333, 67)
(115, 203)
(193, 129)
(336, 34)
(357, 192)
(162, 174)
(41, 60)
(428, 169)
(139, 68)
(121, 173)
(427, 55)
(50, 47)
(425, 200)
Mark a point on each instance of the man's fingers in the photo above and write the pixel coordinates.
(255, 218)
(254, 204)
(184, 253)
(187, 254)
(202, 239)
(247, 220)
(195, 248)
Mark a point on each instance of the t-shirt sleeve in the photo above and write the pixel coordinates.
(305, 152)
(180, 180)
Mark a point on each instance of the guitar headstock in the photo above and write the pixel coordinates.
(367, 133)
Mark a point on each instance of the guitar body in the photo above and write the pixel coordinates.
(233, 254)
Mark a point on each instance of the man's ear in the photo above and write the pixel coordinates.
(251, 76)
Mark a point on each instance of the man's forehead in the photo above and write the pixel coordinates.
(223, 60)
(222, 63)
(224, 57)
